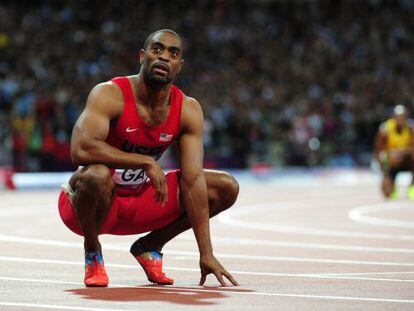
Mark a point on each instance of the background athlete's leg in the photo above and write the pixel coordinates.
(387, 186)
(222, 189)
(410, 167)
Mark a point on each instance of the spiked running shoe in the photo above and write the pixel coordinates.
(95, 274)
(151, 262)
(394, 194)
(410, 192)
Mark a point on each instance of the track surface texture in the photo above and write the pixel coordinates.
(295, 241)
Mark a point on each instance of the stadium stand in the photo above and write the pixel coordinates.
(282, 83)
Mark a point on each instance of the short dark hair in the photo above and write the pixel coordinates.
(147, 41)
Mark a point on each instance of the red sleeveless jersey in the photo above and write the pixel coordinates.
(131, 134)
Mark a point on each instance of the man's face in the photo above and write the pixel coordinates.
(400, 119)
(162, 60)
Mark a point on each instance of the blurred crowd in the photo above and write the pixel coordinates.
(281, 82)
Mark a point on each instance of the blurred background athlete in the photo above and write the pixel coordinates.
(394, 150)
(120, 188)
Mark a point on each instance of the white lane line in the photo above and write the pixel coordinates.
(228, 218)
(338, 277)
(368, 273)
(233, 241)
(15, 239)
(301, 259)
(236, 256)
(54, 307)
(358, 214)
(231, 291)
(241, 256)
(219, 240)
(19, 210)
(321, 260)
(134, 267)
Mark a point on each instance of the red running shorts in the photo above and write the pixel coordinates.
(131, 214)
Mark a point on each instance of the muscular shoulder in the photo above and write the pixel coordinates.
(191, 114)
(386, 126)
(107, 98)
(383, 127)
(190, 103)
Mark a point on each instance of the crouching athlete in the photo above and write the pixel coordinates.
(394, 150)
(120, 189)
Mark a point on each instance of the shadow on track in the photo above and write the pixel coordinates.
(177, 295)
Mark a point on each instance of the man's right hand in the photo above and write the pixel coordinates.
(157, 177)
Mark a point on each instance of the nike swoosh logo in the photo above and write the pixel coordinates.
(128, 130)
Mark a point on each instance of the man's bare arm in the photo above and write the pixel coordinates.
(380, 143)
(193, 183)
(92, 128)
(88, 144)
(411, 149)
(193, 189)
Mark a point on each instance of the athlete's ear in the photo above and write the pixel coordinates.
(181, 66)
(141, 56)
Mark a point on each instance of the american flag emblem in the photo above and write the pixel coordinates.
(166, 137)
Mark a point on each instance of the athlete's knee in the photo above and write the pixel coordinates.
(229, 190)
(96, 179)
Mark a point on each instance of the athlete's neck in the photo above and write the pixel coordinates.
(151, 95)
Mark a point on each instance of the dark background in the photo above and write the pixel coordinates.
(282, 83)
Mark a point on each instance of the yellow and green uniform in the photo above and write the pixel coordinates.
(396, 140)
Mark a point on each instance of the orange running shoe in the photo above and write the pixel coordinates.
(151, 262)
(95, 274)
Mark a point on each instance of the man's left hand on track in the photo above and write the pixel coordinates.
(209, 264)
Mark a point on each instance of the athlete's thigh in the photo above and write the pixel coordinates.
(214, 181)
(141, 213)
(408, 163)
(97, 171)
